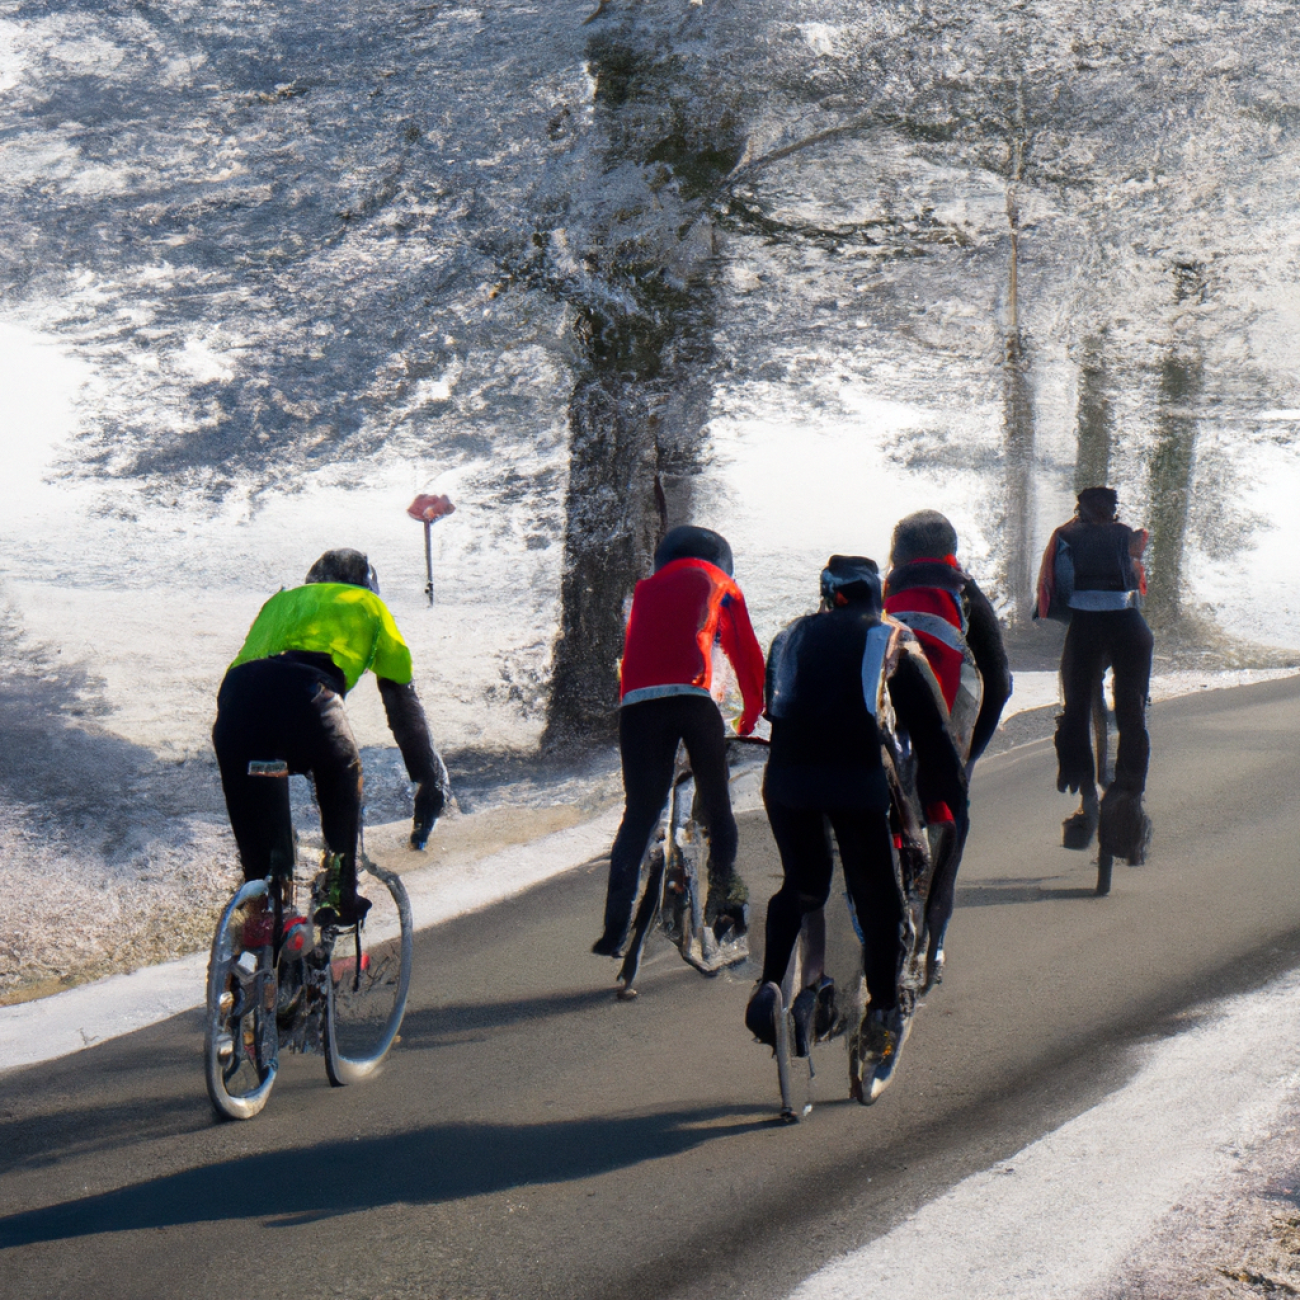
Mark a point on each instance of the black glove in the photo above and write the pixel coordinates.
(429, 803)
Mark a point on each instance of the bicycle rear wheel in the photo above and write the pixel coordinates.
(1105, 864)
(241, 1042)
(648, 910)
(368, 984)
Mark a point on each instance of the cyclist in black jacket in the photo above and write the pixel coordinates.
(1092, 578)
(829, 679)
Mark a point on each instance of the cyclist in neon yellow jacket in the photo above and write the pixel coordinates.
(282, 699)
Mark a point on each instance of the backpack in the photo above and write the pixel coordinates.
(938, 619)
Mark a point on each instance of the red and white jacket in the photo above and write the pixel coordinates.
(677, 615)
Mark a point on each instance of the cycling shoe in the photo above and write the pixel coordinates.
(349, 912)
(816, 1017)
(760, 1014)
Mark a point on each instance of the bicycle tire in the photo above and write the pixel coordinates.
(364, 1010)
(1105, 865)
(790, 1112)
(241, 1060)
(648, 909)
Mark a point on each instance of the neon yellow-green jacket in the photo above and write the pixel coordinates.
(350, 624)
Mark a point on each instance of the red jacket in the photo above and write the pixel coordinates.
(676, 616)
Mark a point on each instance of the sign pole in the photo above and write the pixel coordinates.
(428, 510)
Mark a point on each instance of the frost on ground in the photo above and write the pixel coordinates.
(1236, 1237)
(112, 858)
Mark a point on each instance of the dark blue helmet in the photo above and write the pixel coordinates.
(851, 580)
(689, 542)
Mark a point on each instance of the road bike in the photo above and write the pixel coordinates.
(279, 982)
(806, 1013)
(672, 883)
(1079, 828)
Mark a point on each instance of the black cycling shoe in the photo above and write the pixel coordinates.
(350, 912)
(816, 1017)
(760, 1014)
(803, 1011)
(608, 945)
(1125, 829)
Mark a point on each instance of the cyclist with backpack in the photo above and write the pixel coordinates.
(282, 700)
(1092, 578)
(959, 631)
(690, 602)
(832, 680)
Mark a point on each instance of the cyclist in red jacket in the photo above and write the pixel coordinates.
(689, 604)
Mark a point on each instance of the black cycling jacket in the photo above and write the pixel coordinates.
(825, 750)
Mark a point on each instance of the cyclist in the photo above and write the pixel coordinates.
(690, 602)
(828, 676)
(1092, 578)
(959, 632)
(282, 699)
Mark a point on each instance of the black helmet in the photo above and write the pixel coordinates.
(1098, 504)
(851, 580)
(347, 566)
(689, 542)
(924, 535)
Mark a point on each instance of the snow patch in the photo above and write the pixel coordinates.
(1061, 1216)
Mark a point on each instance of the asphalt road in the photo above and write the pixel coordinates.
(533, 1137)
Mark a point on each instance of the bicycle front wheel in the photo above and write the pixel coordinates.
(368, 984)
(241, 1042)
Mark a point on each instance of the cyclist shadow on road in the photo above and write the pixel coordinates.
(995, 893)
(429, 1026)
(441, 1163)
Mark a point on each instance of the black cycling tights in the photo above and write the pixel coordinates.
(648, 734)
(803, 838)
(276, 709)
(1122, 639)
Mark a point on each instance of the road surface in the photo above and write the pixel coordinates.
(533, 1137)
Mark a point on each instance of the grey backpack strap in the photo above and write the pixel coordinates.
(873, 665)
(933, 625)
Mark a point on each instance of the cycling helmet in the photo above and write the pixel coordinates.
(851, 580)
(347, 566)
(690, 542)
(923, 535)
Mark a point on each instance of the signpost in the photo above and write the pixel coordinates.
(428, 510)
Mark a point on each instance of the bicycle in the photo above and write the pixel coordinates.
(279, 982)
(1079, 828)
(805, 1017)
(669, 892)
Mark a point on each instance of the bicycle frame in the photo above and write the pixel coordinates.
(674, 867)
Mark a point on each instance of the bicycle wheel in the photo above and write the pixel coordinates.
(1105, 863)
(241, 1043)
(648, 910)
(370, 975)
